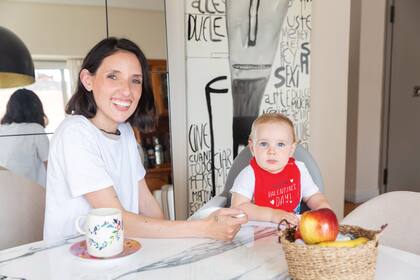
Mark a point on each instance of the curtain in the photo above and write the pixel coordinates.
(74, 65)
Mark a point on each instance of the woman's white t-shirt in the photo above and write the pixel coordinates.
(24, 155)
(82, 160)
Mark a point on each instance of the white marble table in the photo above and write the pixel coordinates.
(254, 254)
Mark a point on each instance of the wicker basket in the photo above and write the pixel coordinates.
(307, 262)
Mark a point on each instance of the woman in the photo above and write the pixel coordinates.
(26, 152)
(94, 161)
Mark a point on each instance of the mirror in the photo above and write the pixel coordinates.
(58, 33)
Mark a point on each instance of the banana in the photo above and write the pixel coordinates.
(347, 243)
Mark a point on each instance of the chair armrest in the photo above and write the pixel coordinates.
(212, 205)
(217, 201)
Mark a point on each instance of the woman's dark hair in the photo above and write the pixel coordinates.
(24, 106)
(83, 103)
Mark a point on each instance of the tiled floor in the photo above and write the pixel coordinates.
(348, 207)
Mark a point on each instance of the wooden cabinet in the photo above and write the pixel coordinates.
(159, 84)
(160, 175)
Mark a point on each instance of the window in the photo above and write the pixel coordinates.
(53, 88)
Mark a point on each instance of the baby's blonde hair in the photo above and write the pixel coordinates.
(272, 118)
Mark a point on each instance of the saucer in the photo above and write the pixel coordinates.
(79, 249)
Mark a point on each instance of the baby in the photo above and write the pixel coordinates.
(273, 185)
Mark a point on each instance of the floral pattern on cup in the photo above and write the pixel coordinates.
(116, 225)
(103, 229)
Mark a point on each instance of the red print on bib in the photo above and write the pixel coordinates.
(281, 190)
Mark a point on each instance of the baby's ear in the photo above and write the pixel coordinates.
(292, 151)
(251, 146)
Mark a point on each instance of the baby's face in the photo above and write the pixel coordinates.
(272, 145)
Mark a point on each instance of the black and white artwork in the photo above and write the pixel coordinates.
(244, 58)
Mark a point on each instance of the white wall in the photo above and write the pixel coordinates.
(372, 42)
(353, 99)
(178, 103)
(363, 176)
(70, 30)
(329, 78)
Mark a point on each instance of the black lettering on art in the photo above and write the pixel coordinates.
(278, 74)
(288, 76)
(198, 137)
(209, 89)
(304, 58)
(209, 6)
(290, 94)
(200, 175)
(204, 28)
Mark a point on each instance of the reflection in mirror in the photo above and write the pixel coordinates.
(52, 86)
(54, 40)
(27, 154)
(58, 42)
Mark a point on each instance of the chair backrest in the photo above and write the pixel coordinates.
(22, 210)
(399, 210)
(243, 158)
(165, 197)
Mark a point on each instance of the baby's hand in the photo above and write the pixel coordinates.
(277, 215)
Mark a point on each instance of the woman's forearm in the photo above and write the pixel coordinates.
(142, 226)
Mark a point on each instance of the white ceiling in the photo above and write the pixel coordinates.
(153, 5)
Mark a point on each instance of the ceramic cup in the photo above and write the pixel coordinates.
(103, 228)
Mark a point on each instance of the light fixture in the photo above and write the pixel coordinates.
(16, 65)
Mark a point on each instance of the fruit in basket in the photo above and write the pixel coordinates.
(345, 243)
(297, 234)
(318, 226)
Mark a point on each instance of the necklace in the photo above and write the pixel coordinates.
(117, 132)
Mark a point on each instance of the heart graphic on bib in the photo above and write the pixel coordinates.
(291, 180)
(272, 202)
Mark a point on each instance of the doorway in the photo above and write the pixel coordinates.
(401, 137)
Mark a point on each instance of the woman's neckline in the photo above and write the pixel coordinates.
(109, 134)
(117, 132)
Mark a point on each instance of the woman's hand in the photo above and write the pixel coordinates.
(277, 215)
(223, 224)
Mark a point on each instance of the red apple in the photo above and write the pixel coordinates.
(318, 226)
(297, 234)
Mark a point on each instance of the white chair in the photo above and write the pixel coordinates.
(22, 210)
(400, 210)
(165, 198)
(240, 162)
